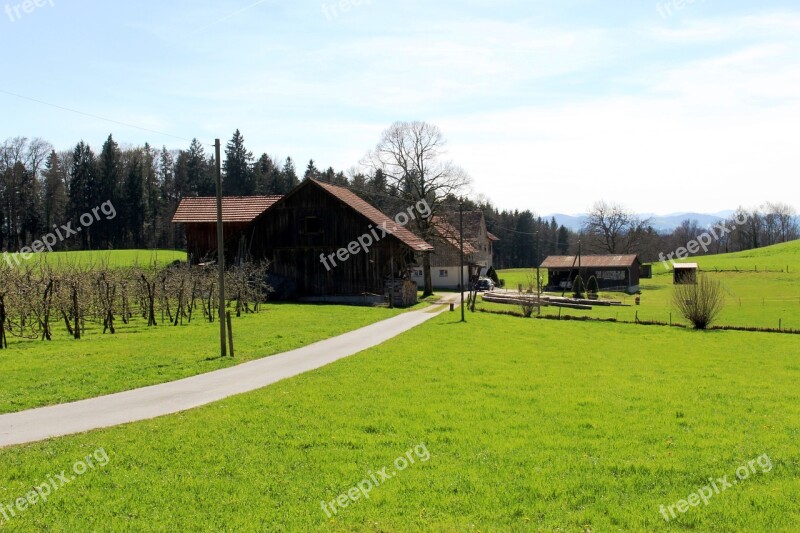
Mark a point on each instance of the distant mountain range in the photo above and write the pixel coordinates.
(661, 223)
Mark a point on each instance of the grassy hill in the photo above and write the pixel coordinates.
(778, 257)
(754, 296)
(37, 373)
(530, 425)
(112, 258)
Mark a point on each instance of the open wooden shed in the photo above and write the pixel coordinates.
(684, 273)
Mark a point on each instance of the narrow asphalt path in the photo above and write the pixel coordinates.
(168, 398)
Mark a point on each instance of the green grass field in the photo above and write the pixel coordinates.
(754, 297)
(530, 425)
(39, 373)
(111, 258)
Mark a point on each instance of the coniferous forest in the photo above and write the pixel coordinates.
(42, 188)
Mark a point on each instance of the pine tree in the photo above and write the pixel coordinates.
(313, 173)
(238, 175)
(82, 187)
(135, 199)
(524, 241)
(200, 170)
(109, 179)
(289, 175)
(264, 172)
(563, 240)
(54, 192)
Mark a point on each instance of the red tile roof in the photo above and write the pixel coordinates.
(590, 261)
(198, 210)
(452, 235)
(375, 216)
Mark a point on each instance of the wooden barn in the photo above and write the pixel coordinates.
(613, 272)
(199, 217)
(323, 242)
(328, 242)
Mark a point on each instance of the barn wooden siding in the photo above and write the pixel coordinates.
(309, 222)
(201, 239)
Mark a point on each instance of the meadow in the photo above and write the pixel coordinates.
(38, 373)
(762, 289)
(110, 258)
(530, 425)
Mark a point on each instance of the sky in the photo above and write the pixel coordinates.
(661, 106)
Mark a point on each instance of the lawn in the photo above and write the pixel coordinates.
(37, 373)
(530, 425)
(753, 296)
(111, 258)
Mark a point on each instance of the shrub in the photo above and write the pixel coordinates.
(527, 300)
(578, 289)
(699, 303)
(592, 286)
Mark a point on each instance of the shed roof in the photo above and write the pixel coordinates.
(203, 209)
(375, 216)
(557, 262)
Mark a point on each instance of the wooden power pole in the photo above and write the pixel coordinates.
(461, 270)
(220, 254)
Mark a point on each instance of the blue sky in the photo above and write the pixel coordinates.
(662, 106)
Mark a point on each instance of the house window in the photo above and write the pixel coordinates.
(311, 226)
(418, 273)
(443, 273)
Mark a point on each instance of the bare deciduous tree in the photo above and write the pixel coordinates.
(412, 157)
(612, 229)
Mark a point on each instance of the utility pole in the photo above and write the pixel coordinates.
(538, 277)
(220, 254)
(461, 270)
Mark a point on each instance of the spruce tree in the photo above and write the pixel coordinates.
(109, 178)
(313, 173)
(238, 175)
(82, 187)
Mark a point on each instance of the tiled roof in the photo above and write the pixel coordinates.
(245, 209)
(452, 235)
(375, 216)
(492, 236)
(590, 261)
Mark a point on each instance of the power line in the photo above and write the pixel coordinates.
(97, 117)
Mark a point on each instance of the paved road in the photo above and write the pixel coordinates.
(158, 400)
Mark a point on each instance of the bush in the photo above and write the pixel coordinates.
(527, 302)
(578, 288)
(592, 286)
(699, 303)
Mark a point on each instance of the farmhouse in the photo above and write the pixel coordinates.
(323, 242)
(446, 258)
(613, 272)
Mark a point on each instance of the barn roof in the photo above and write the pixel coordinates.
(557, 262)
(202, 210)
(451, 234)
(375, 216)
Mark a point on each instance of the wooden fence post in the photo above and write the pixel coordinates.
(230, 331)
